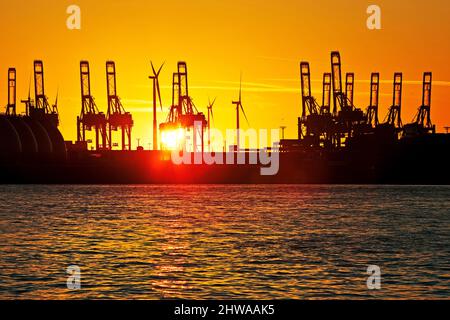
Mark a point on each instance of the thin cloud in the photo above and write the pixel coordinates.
(252, 84)
(147, 106)
(146, 110)
(247, 89)
(137, 101)
(277, 59)
(439, 83)
(264, 87)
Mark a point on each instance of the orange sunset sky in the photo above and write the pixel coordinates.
(265, 40)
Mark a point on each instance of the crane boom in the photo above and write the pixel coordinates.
(90, 116)
(11, 107)
(326, 95)
(336, 74)
(394, 115)
(116, 116)
(349, 88)
(309, 104)
(424, 114)
(372, 110)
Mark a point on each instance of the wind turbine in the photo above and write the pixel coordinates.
(210, 117)
(156, 91)
(239, 106)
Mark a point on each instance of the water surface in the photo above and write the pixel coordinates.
(224, 242)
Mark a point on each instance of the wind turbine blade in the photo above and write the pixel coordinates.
(245, 116)
(160, 68)
(212, 104)
(159, 93)
(240, 89)
(153, 68)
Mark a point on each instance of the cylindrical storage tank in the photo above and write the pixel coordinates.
(10, 145)
(59, 151)
(27, 139)
(43, 141)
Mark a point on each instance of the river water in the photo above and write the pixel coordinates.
(224, 241)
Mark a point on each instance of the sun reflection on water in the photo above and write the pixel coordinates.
(258, 242)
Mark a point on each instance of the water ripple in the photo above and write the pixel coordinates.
(225, 242)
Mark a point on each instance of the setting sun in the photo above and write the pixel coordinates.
(172, 139)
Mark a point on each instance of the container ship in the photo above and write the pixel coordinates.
(337, 142)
